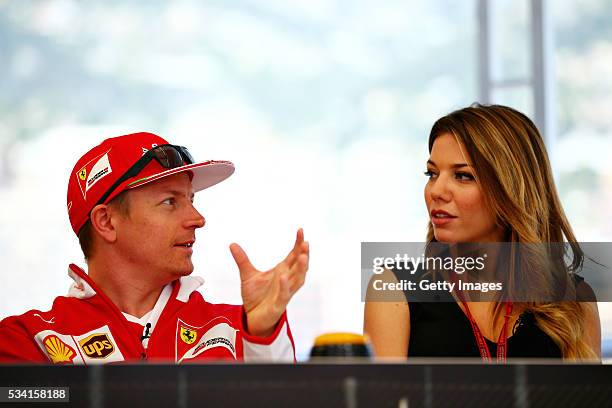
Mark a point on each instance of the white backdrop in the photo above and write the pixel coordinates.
(323, 106)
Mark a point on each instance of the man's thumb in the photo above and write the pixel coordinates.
(242, 260)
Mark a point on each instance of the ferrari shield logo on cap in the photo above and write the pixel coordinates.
(94, 171)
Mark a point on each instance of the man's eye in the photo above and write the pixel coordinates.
(169, 201)
(463, 176)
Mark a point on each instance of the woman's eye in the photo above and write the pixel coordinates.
(430, 173)
(464, 176)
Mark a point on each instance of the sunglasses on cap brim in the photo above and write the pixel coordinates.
(168, 156)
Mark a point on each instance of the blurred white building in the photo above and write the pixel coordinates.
(324, 106)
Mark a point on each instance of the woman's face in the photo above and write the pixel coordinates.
(455, 202)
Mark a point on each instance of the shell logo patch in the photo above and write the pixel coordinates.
(188, 335)
(97, 345)
(58, 351)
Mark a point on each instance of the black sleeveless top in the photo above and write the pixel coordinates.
(441, 329)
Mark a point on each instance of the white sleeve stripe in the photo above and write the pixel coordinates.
(280, 350)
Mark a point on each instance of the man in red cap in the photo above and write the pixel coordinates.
(130, 202)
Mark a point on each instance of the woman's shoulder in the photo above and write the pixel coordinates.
(584, 291)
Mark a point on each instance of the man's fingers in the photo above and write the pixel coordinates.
(298, 273)
(295, 251)
(284, 292)
(299, 237)
(242, 260)
(303, 249)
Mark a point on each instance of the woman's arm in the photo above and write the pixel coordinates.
(387, 323)
(592, 326)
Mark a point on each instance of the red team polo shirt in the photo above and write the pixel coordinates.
(85, 327)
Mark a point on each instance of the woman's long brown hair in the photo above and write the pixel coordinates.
(514, 172)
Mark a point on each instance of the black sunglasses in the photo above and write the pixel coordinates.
(169, 156)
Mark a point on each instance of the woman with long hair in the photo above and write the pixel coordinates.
(490, 181)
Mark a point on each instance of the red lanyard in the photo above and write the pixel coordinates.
(502, 342)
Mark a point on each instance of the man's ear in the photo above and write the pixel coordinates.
(102, 222)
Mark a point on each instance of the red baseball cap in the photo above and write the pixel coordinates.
(101, 167)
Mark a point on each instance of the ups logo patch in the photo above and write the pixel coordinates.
(97, 345)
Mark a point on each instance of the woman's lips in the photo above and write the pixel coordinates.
(441, 221)
(441, 217)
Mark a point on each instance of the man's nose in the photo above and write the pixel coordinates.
(195, 220)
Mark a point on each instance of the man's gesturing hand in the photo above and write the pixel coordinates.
(265, 294)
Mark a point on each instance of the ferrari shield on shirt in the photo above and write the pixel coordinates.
(85, 327)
